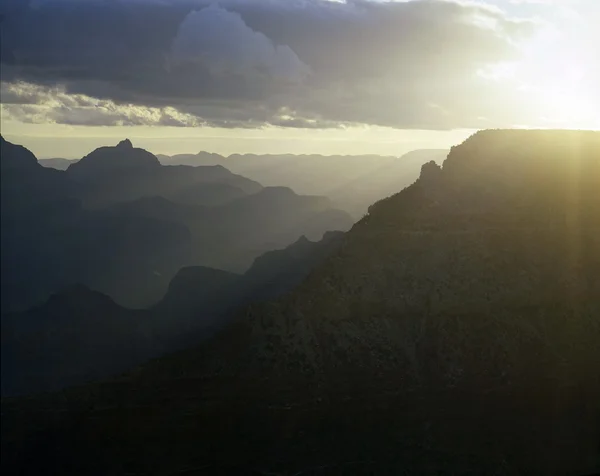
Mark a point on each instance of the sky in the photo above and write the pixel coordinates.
(298, 76)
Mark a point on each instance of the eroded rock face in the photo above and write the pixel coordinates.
(454, 330)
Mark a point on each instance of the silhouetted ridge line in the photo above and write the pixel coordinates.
(352, 182)
(123, 224)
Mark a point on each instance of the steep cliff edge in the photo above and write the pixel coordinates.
(478, 249)
(454, 331)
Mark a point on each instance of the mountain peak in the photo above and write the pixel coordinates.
(302, 240)
(111, 159)
(278, 191)
(125, 144)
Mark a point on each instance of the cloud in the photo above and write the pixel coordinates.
(234, 63)
(220, 39)
(39, 105)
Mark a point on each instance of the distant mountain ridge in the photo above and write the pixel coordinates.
(57, 163)
(110, 175)
(353, 182)
(101, 225)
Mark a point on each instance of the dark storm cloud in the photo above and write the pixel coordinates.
(294, 63)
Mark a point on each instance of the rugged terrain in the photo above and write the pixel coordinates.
(454, 331)
(122, 224)
(80, 335)
(353, 182)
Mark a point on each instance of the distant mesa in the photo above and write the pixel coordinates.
(105, 160)
(279, 190)
(57, 163)
(195, 160)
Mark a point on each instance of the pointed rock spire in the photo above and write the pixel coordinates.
(430, 172)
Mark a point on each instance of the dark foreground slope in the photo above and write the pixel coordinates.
(455, 331)
(76, 336)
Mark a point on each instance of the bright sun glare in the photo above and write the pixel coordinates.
(553, 70)
(550, 76)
